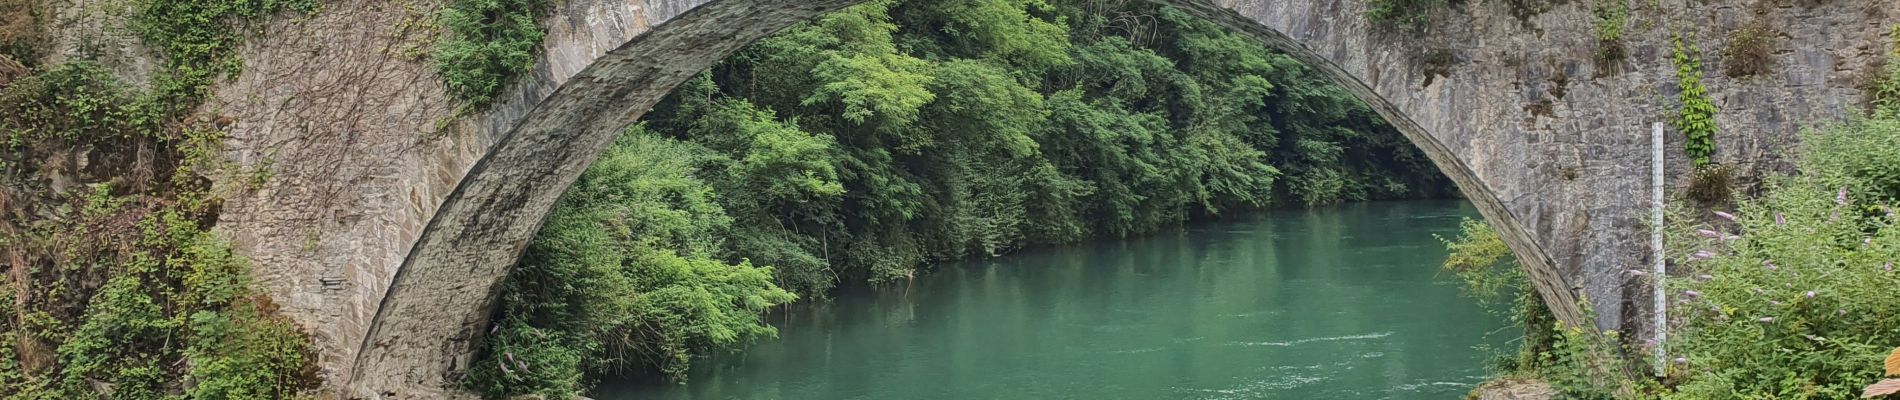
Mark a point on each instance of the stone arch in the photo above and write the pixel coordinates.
(437, 306)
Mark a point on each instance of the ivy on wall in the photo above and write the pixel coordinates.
(1696, 119)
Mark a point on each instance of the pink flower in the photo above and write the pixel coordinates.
(1766, 320)
(1691, 293)
(1780, 219)
(1727, 216)
(1841, 198)
(1889, 266)
(1709, 233)
(1810, 294)
(504, 367)
(1770, 265)
(1701, 255)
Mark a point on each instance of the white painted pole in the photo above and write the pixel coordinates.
(1656, 243)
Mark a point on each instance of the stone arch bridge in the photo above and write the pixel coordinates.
(390, 245)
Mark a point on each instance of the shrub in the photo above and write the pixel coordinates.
(197, 38)
(1750, 49)
(1798, 302)
(1883, 85)
(1404, 14)
(1612, 18)
(489, 43)
(1711, 185)
(1567, 357)
(73, 103)
(20, 32)
(1859, 156)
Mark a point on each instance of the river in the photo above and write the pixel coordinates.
(1343, 302)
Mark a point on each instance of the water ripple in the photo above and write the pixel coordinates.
(1310, 340)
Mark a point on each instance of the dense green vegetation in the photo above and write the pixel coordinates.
(1787, 295)
(1791, 295)
(866, 144)
(116, 286)
(487, 44)
(1564, 356)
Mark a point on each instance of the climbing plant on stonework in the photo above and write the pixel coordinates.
(1696, 119)
(121, 289)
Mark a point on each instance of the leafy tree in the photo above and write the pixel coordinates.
(870, 142)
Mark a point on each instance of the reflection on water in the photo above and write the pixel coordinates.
(1336, 303)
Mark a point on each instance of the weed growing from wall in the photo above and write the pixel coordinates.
(1612, 18)
(1750, 49)
(1404, 14)
(198, 39)
(489, 43)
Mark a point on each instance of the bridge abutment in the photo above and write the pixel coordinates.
(393, 219)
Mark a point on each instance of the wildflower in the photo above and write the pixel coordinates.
(1709, 233)
(1770, 265)
(1889, 267)
(1680, 360)
(1727, 216)
(504, 367)
(1774, 302)
(1810, 294)
(1691, 293)
(1780, 219)
(1701, 255)
(1841, 198)
(1704, 277)
(1766, 320)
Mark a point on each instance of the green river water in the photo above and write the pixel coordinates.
(1341, 302)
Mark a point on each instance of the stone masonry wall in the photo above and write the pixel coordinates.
(365, 148)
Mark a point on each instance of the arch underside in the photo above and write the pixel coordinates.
(437, 306)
